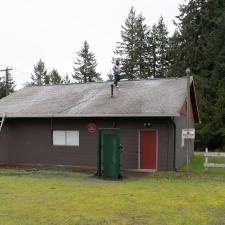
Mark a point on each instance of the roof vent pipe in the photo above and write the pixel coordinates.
(111, 90)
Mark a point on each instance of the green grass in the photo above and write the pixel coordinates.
(66, 198)
(196, 165)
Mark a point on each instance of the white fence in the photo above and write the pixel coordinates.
(213, 154)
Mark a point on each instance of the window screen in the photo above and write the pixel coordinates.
(66, 138)
(59, 137)
(72, 138)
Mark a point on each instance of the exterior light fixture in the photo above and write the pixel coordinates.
(147, 124)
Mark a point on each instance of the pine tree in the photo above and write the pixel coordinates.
(176, 67)
(192, 30)
(125, 50)
(141, 49)
(216, 62)
(40, 76)
(55, 78)
(85, 66)
(152, 47)
(201, 47)
(158, 50)
(192, 42)
(143, 52)
(163, 46)
(46, 80)
(11, 85)
(66, 79)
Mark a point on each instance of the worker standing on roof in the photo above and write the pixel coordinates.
(116, 73)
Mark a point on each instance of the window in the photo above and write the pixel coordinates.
(66, 137)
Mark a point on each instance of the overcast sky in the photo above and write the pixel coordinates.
(54, 31)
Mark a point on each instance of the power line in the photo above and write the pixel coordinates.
(15, 69)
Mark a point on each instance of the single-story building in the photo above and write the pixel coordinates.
(57, 124)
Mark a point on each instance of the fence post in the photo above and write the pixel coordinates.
(206, 159)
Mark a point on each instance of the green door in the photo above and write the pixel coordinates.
(110, 168)
(109, 153)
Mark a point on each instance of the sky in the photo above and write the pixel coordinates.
(54, 31)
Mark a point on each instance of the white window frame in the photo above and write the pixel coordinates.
(66, 140)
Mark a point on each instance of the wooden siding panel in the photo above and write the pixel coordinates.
(4, 145)
(30, 141)
(181, 122)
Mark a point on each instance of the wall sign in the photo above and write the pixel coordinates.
(188, 133)
(92, 127)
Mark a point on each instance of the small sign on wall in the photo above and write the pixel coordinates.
(188, 133)
(92, 127)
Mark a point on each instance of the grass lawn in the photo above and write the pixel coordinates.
(66, 198)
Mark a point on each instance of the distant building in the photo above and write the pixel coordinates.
(57, 124)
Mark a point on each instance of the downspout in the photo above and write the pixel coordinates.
(174, 144)
(7, 145)
(51, 129)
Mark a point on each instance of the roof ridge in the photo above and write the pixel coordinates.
(107, 81)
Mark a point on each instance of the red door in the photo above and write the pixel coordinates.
(148, 149)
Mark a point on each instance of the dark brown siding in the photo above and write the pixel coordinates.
(4, 136)
(29, 141)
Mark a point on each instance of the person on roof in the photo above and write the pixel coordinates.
(116, 73)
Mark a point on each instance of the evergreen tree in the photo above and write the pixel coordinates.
(46, 80)
(152, 47)
(176, 67)
(201, 47)
(55, 78)
(85, 66)
(194, 26)
(216, 65)
(162, 48)
(143, 52)
(11, 85)
(158, 49)
(66, 79)
(40, 76)
(125, 50)
(141, 49)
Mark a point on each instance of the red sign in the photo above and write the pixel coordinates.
(91, 127)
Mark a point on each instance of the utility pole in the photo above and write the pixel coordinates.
(188, 71)
(6, 80)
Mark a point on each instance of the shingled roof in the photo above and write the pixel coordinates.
(155, 97)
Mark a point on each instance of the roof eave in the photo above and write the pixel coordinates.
(90, 115)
